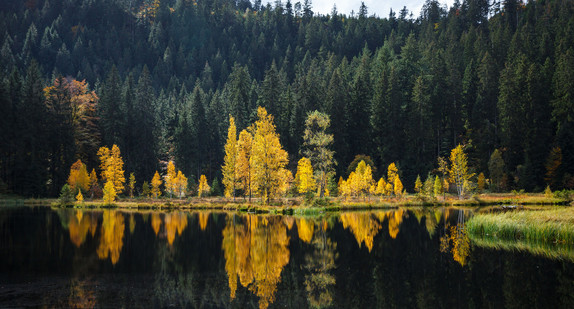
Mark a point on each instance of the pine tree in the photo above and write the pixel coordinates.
(317, 144)
(244, 162)
(132, 184)
(418, 184)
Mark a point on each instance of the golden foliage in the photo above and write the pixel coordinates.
(305, 229)
(244, 173)
(360, 182)
(180, 185)
(79, 225)
(363, 226)
(230, 169)
(170, 179)
(155, 183)
(111, 236)
(155, 222)
(109, 193)
(203, 186)
(112, 167)
(459, 170)
(80, 197)
(175, 222)
(460, 243)
(268, 157)
(304, 176)
(79, 178)
(256, 250)
(203, 219)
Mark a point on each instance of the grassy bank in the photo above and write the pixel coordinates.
(551, 251)
(298, 205)
(532, 227)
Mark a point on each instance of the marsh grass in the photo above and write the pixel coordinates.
(552, 251)
(552, 226)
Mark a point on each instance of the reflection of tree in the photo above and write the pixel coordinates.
(79, 224)
(363, 226)
(80, 295)
(203, 219)
(155, 222)
(256, 250)
(305, 229)
(458, 241)
(111, 237)
(174, 222)
(320, 263)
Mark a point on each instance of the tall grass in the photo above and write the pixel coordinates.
(541, 226)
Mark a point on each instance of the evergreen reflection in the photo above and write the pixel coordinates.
(256, 250)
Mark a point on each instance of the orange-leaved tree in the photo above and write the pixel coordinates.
(112, 167)
(79, 178)
(155, 183)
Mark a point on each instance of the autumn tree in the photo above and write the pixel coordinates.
(481, 182)
(112, 167)
(244, 162)
(170, 179)
(203, 186)
(180, 184)
(317, 144)
(269, 158)
(155, 183)
(437, 188)
(230, 168)
(459, 173)
(418, 184)
(79, 178)
(304, 177)
(109, 192)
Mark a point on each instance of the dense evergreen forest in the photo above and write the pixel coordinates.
(162, 77)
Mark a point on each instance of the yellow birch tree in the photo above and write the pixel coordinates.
(169, 179)
(244, 172)
(230, 168)
(155, 183)
(203, 186)
(459, 170)
(268, 157)
(304, 176)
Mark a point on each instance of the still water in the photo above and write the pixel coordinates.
(383, 259)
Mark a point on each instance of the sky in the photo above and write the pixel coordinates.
(379, 7)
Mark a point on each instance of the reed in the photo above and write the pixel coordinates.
(545, 226)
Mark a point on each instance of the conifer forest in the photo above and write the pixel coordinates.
(162, 80)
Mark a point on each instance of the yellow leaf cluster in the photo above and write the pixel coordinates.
(304, 177)
(175, 183)
(109, 193)
(230, 169)
(360, 182)
(112, 167)
(112, 234)
(79, 178)
(155, 183)
(203, 186)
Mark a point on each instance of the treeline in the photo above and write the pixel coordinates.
(165, 76)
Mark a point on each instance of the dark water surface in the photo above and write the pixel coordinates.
(387, 259)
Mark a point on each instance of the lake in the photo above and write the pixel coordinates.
(401, 258)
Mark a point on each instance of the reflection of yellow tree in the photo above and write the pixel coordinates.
(460, 243)
(320, 263)
(363, 226)
(305, 229)
(395, 219)
(79, 225)
(112, 234)
(174, 222)
(256, 250)
(203, 219)
(155, 222)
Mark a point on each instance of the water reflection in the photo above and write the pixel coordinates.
(413, 258)
(256, 250)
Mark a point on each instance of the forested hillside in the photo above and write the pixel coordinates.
(160, 78)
